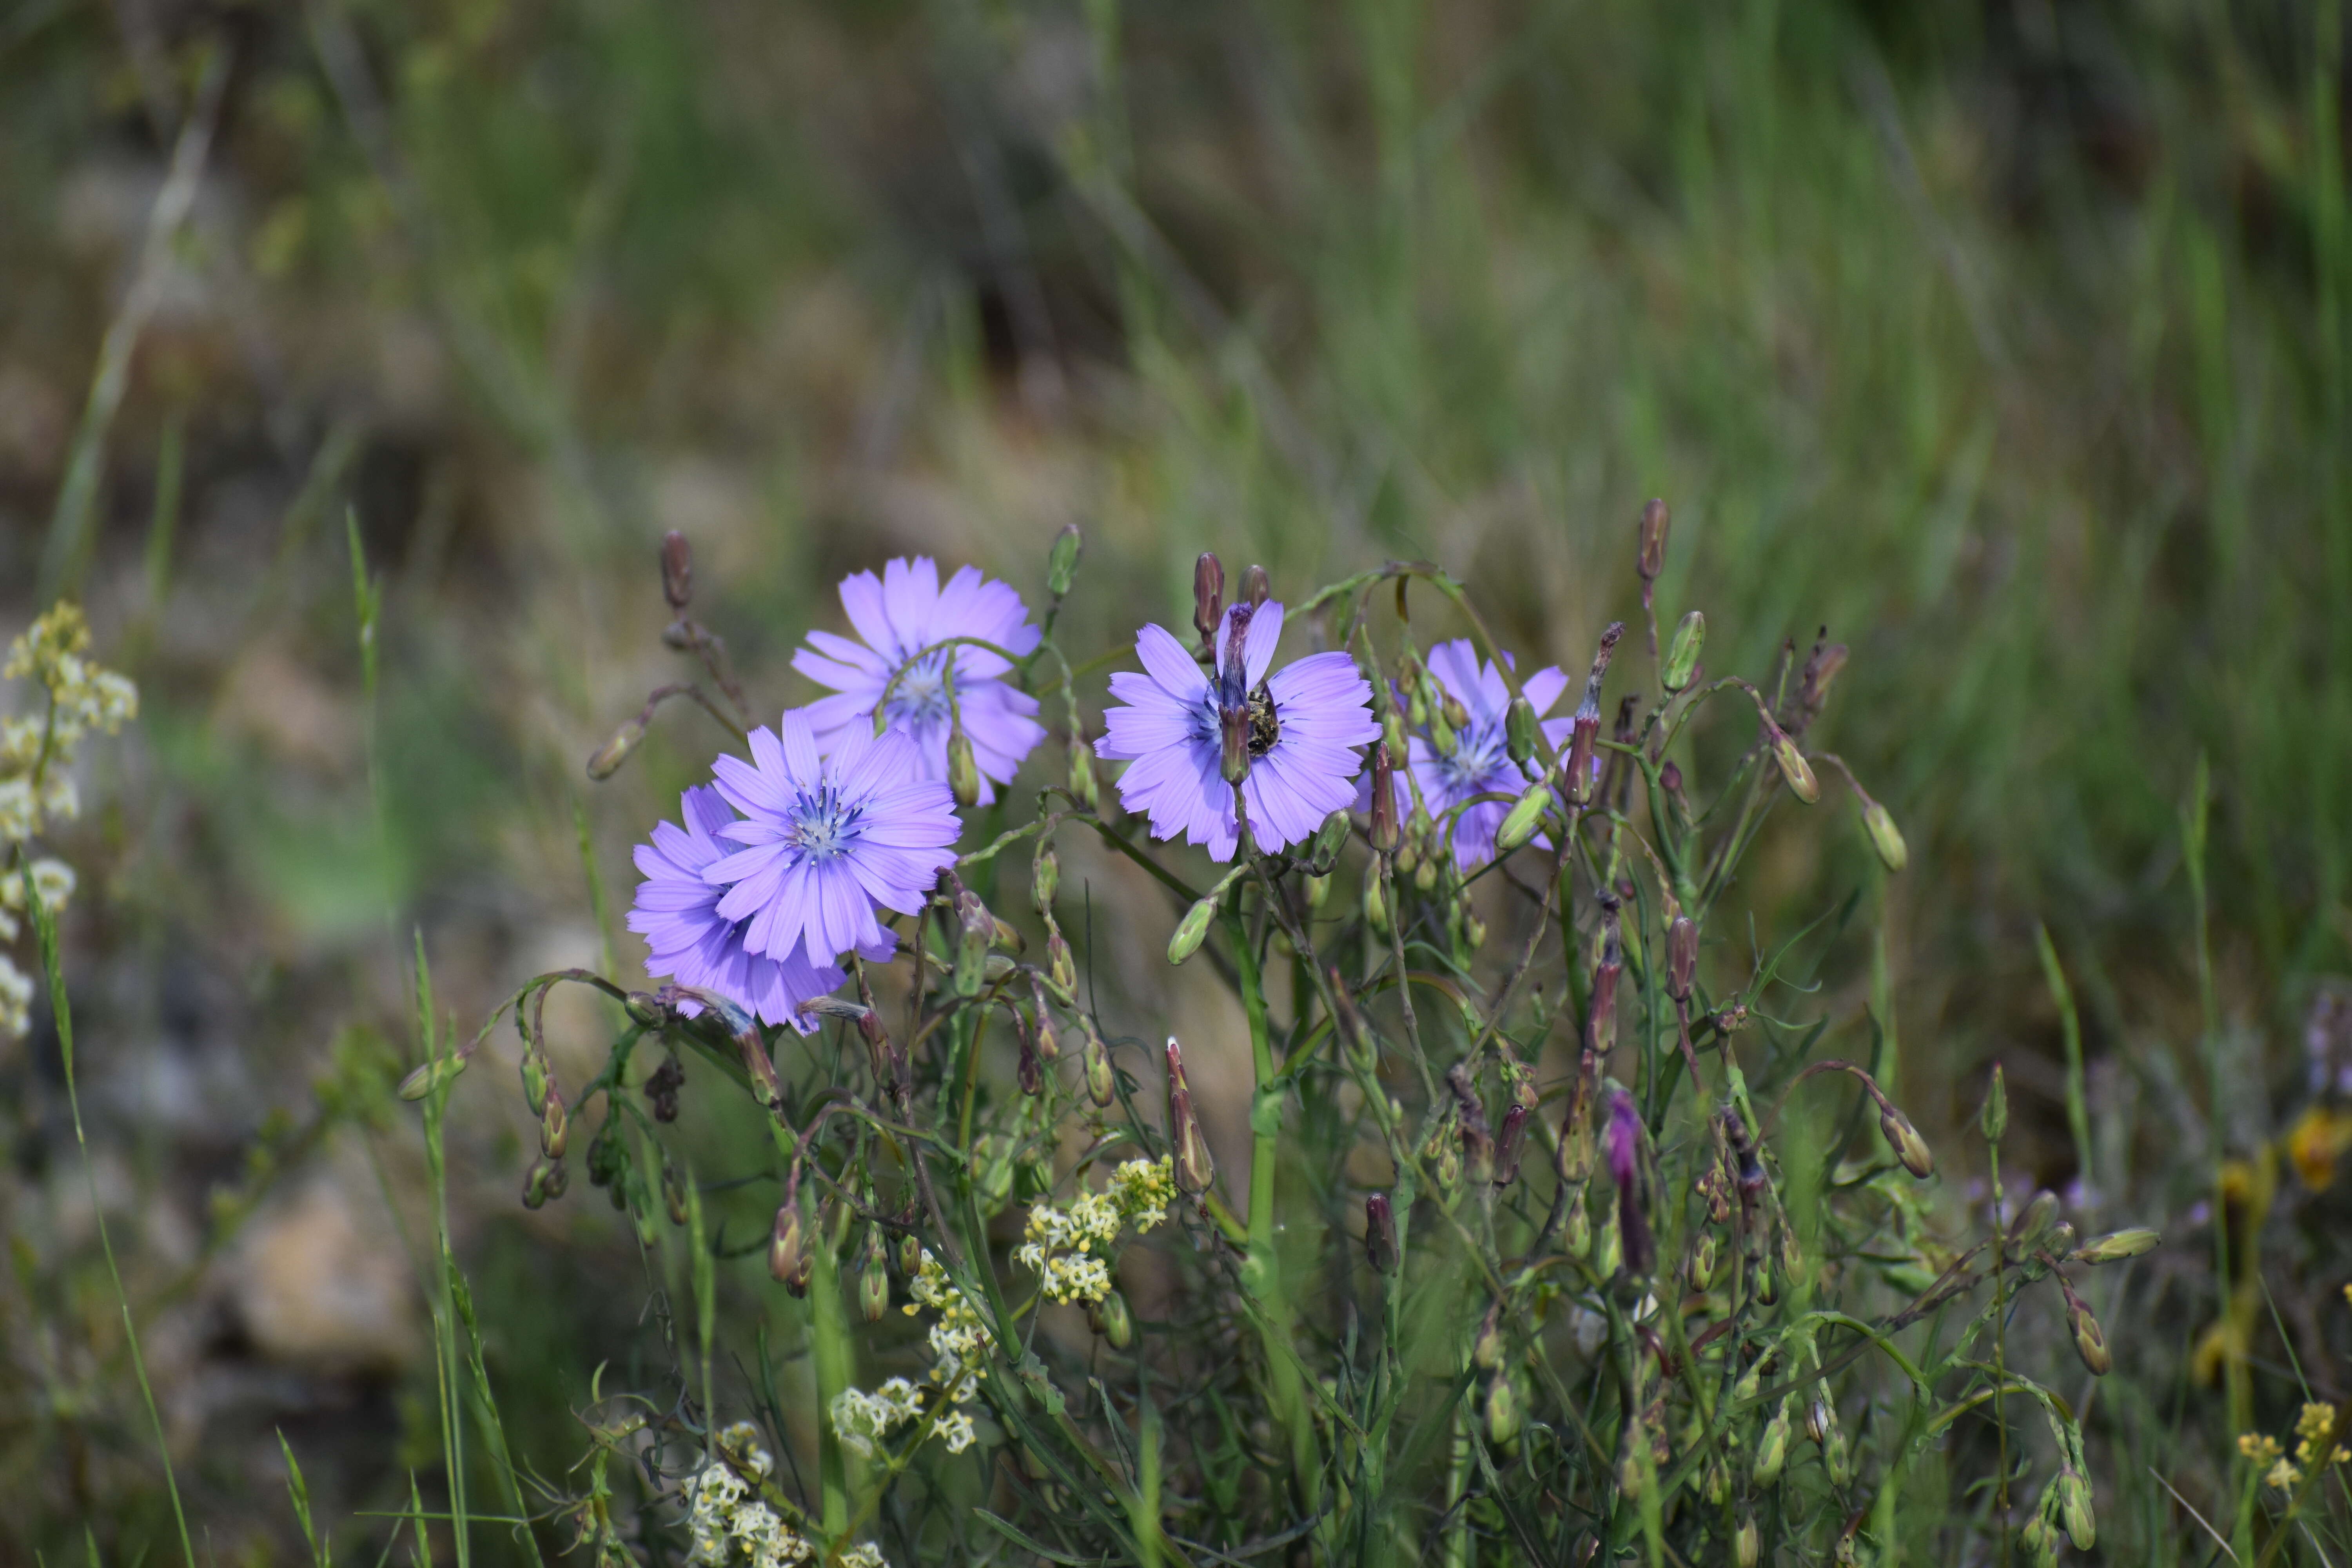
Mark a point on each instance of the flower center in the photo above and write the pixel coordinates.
(1477, 752)
(823, 826)
(922, 694)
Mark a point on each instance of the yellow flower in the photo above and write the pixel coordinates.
(2318, 1138)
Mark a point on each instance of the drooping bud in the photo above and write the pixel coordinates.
(1233, 733)
(1208, 596)
(976, 930)
(1379, 1234)
(1255, 589)
(541, 1182)
(1905, 1139)
(2033, 1225)
(1194, 1169)
(1884, 837)
(789, 1259)
(1110, 1319)
(2075, 1507)
(1682, 957)
(963, 768)
(1501, 1412)
(607, 758)
(1682, 654)
(874, 1279)
(1044, 877)
(1995, 1120)
(1102, 1084)
(555, 1128)
(1049, 1044)
(678, 570)
(1520, 730)
(2090, 1340)
(1651, 558)
(1062, 560)
(1510, 1144)
(1520, 821)
(1083, 787)
(1794, 770)
(1384, 807)
(2115, 1247)
(1772, 1448)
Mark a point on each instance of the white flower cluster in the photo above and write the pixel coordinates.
(725, 1516)
(1065, 1245)
(865, 1554)
(861, 1419)
(958, 1339)
(36, 758)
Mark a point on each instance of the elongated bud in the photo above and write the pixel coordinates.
(1682, 957)
(430, 1076)
(2115, 1247)
(1501, 1412)
(1392, 731)
(1486, 1344)
(1624, 1144)
(874, 1279)
(1102, 1084)
(963, 768)
(1083, 785)
(1255, 588)
(1195, 1170)
(1379, 1234)
(2033, 1225)
(1436, 703)
(1652, 560)
(1821, 672)
(1376, 905)
(977, 931)
(911, 1254)
(1233, 733)
(1682, 654)
(1194, 928)
(1600, 1022)
(1578, 767)
(1905, 1139)
(607, 759)
(678, 570)
(1028, 1070)
(1208, 594)
(1062, 560)
(1329, 839)
(1794, 770)
(1110, 1319)
(1457, 716)
(2074, 1507)
(1059, 967)
(1510, 1144)
(1702, 1262)
(1772, 1448)
(2090, 1340)
(1384, 807)
(1884, 837)
(1995, 1120)
(1049, 1043)
(1520, 821)
(1044, 877)
(789, 1259)
(1520, 730)
(1747, 1543)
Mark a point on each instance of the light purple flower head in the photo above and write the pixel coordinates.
(899, 614)
(677, 912)
(1306, 721)
(1480, 762)
(829, 840)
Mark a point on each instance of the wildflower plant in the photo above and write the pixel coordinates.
(1562, 1236)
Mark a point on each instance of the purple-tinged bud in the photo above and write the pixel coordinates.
(1084, 788)
(1379, 1234)
(2033, 1225)
(2090, 1341)
(543, 1180)
(874, 1279)
(1682, 654)
(1822, 669)
(963, 768)
(1600, 1022)
(1622, 1142)
(1255, 588)
(1044, 877)
(1994, 1121)
(555, 1128)
(608, 757)
(1904, 1137)
(1486, 1345)
(1110, 1319)
(1029, 1070)
(1682, 957)
(1102, 1084)
(2115, 1247)
(1794, 770)
(789, 1259)
(1234, 733)
(1049, 1044)
(1194, 1169)
(1578, 768)
(1477, 1152)
(1384, 817)
(1510, 1144)
(678, 570)
(1208, 597)
(1652, 559)
(1062, 560)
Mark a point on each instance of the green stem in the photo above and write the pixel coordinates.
(832, 1354)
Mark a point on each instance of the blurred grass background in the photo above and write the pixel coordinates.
(2006, 339)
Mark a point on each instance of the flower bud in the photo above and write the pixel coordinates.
(1747, 1543)
(430, 1076)
(1384, 807)
(1044, 877)
(608, 757)
(1208, 594)
(1392, 731)
(963, 768)
(1379, 1234)
(1028, 1070)
(1486, 1344)
(1576, 769)
(543, 1180)
(1425, 871)
(1102, 1084)
(2115, 1247)
(1441, 727)
(1904, 1137)
(1062, 560)
(1083, 787)
(1318, 890)
(2090, 1340)
(1794, 770)
(1520, 821)
(1456, 716)
(1682, 957)
(1501, 1412)
(2040, 1544)
(2033, 1224)
(1702, 1262)
(1884, 837)
(1994, 1121)
(1194, 928)
(1049, 1044)
(1520, 730)
(673, 1187)
(977, 932)
(1651, 558)
(911, 1254)
(1329, 839)
(1772, 1448)
(874, 1280)
(1576, 1230)
(678, 570)
(1194, 1168)
(2075, 1507)
(1376, 905)
(1510, 1144)
(1232, 756)
(1110, 1319)
(534, 1081)
(1255, 589)
(555, 1128)
(1682, 654)
(789, 1259)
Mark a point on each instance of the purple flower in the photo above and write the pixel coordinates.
(829, 840)
(1624, 1144)
(1480, 762)
(903, 613)
(1305, 722)
(690, 943)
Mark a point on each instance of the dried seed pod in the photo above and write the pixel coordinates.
(1379, 1234)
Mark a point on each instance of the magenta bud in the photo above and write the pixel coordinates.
(1578, 769)
(1510, 1144)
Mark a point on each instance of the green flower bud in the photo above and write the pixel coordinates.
(1376, 905)
(1747, 1543)
(1702, 1262)
(534, 1081)
(1062, 560)
(673, 1193)
(1794, 770)
(1208, 594)
(1059, 968)
(1194, 928)
(541, 1182)
(1651, 559)
(555, 1128)
(1486, 1347)
(607, 759)
(1329, 839)
(911, 1254)
(2090, 1341)
(1110, 1319)
(1772, 1448)
(1424, 875)
(1715, 1485)
(2075, 1509)
(1456, 716)
(1319, 892)
(1995, 1120)
(1102, 1086)
(1392, 731)
(1909, 1147)
(2033, 1225)
(2115, 1247)
(1576, 1230)
(1044, 877)
(1682, 654)
(1520, 730)
(1501, 1412)
(1083, 787)
(1884, 837)
(963, 768)
(874, 1280)
(789, 1259)
(977, 933)
(1521, 822)
(430, 1076)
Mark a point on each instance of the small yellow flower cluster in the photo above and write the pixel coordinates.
(862, 1420)
(2311, 1429)
(1064, 1245)
(957, 1339)
(36, 758)
(725, 1516)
